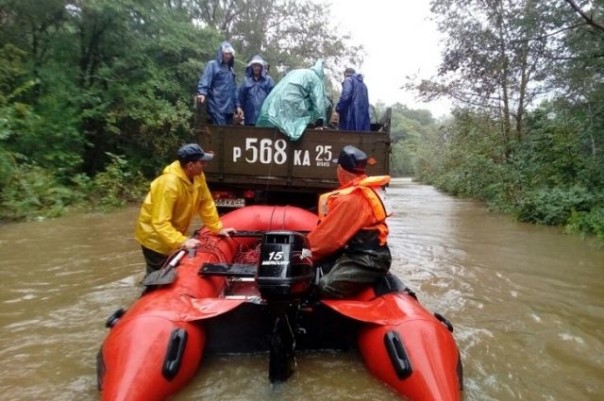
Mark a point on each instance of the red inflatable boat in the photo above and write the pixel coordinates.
(253, 292)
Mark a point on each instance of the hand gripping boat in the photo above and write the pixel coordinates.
(253, 292)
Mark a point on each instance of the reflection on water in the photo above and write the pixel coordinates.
(527, 304)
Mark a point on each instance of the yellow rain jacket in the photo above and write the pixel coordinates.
(169, 208)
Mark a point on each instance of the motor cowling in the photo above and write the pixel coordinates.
(285, 270)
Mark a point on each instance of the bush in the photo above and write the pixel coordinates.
(33, 192)
(588, 223)
(554, 206)
(117, 185)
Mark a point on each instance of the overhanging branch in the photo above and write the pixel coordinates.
(589, 19)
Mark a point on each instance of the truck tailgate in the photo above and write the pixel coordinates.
(252, 156)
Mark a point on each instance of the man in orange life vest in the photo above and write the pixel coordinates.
(352, 229)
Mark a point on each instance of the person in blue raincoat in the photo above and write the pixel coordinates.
(217, 85)
(256, 86)
(296, 101)
(353, 106)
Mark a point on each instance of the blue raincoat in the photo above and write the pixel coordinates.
(353, 106)
(252, 92)
(217, 83)
(298, 100)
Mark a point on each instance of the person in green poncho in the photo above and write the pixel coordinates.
(296, 101)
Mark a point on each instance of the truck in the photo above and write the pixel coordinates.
(263, 166)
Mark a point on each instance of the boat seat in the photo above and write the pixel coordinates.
(228, 269)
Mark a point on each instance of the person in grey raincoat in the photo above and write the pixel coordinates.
(256, 86)
(298, 100)
(217, 85)
(353, 106)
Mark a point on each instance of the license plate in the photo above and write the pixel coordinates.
(237, 202)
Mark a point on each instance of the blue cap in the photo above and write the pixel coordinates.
(192, 152)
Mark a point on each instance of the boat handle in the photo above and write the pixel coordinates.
(444, 321)
(174, 353)
(398, 356)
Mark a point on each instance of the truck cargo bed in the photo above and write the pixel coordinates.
(261, 165)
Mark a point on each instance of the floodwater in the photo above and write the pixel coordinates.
(527, 303)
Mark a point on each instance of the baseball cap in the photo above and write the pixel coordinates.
(192, 152)
(353, 159)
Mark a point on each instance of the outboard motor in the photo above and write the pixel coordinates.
(284, 275)
(285, 271)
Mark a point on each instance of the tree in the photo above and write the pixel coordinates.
(409, 127)
(579, 78)
(528, 135)
(138, 64)
(91, 84)
(32, 26)
(295, 32)
(497, 56)
(587, 17)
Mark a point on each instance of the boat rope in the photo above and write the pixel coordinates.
(247, 256)
(208, 245)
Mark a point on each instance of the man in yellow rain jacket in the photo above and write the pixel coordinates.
(175, 196)
(352, 232)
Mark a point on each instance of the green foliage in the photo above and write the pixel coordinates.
(45, 134)
(408, 127)
(462, 157)
(544, 164)
(402, 159)
(117, 185)
(83, 82)
(588, 223)
(12, 72)
(549, 178)
(7, 167)
(554, 206)
(33, 192)
(47, 137)
(32, 153)
(551, 154)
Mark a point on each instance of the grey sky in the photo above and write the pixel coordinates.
(399, 41)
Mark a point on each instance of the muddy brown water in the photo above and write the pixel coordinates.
(527, 303)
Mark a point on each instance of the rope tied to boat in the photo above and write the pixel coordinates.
(245, 255)
(208, 244)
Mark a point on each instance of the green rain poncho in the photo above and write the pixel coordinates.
(296, 101)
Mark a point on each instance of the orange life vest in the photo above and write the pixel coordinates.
(371, 189)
